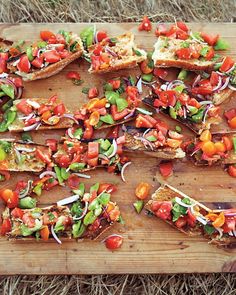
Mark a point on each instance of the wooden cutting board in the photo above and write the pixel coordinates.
(150, 245)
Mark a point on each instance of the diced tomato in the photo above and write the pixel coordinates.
(101, 35)
(175, 135)
(232, 170)
(232, 123)
(3, 65)
(208, 148)
(37, 62)
(145, 67)
(166, 168)
(195, 49)
(184, 98)
(206, 135)
(11, 198)
(43, 156)
(142, 190)
(52, 144)
(182, 26)
(93, 92)
(214, 111)
(17, 213)
(162, 126)
(46, 35)
(227, 64)
(210, 39)
(73, 181)
(108, 187)
(113, 242)
(191, 219)
(194, 103)
(111, 168)
(142, 121)
(4, 55)
(44, 233)
(50, 219)
(180, 34)
(24, 107)
(118, 115)
(214, 79)
(230, 114)
(155, 205)
(228, 143)
(94, 118)
(115, 84)
(24, 64)
(132, 95)
(164, 211)
(21, 185)
(51, 56)
(204, 88)
(60, 47)
(60, 109)
(88, 132)
(73, 75)
(210, 54)
(93, 149)
(169, 97)
(183, 53)
(50, 183)
(97, 51)
(220, 147)
(146, 25)
(160, 72)
(181, 222)
(161, 30)
(6, 227)
(64, 53)
(229, 224)
(113, 132)
(93, 162)
(60, 39)
(173, 143)
(17, 81)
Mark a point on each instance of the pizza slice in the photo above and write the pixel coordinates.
(112, 54)
(46, 57)
(36, 114)
(193, 218)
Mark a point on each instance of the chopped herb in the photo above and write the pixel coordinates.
(77, 82)
(185, 44)
(151, 138)
(138, 205)
(137, 52)
(85, 90)
(113, 40)
(26, 137)
(209, 229)
(178, 129)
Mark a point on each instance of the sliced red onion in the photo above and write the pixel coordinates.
(32, 127)
(225, 84)
(101, 156)
(205, 102)
(27, 118)
(164, 87)
(26, 190)
(220, 230)
(15, 63)
(70, 116)
(123, 170)
(139, 85)
(124, 128)
(69, 132)
(234, 232)
(184, 112)
(51, 173)
(114, 150)
(95, 38)
(68, 200)
(197, 40)
(38, 126)
(195, 151)
(113, 235)
(84, 212)
(231, 233)
(144, 141)
(201, 219)
(149, 83)
(231, 69)
(143, 111)
(24, 149)
(3, 75)
(55, 236)
(32, 103)
(196, 80)
(108, 50)
(174, 83)
(206, 112)
(129, 115)
(231, 87)
(19, 92)
(179, 201)
(200, 96)
(230, 214)
(218, 86)
(82, 175)
(18, 155)
(145, 132)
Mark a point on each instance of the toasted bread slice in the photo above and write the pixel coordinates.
(49, 69)
(168, 193)
(22, 157)
(196, 127)
(18, 124)
(122, 51)
(135, 142)
(164, 56)
(222, 96)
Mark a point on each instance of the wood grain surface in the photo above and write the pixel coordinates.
(150, 245)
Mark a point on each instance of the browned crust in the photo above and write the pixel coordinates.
(222, 96)
(184, 64)
(53, 68)
(166, 193)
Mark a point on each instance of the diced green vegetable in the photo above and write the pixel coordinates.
(26, 137)
(178, 105)
(221, 45)
(178, 129)
(105, 144)
(29, 53)
(87, 36)
(107, 87)
(94, 204)
(209, 229)
(109, 151)
(89, 218)
(6, 145)
(107, 119)
(198, 117)
(182, 75)
(172, 113)
(151, 138)
(59, 226)
(8, 90)
(25, 231)
(217, 66)
(137, 52)
(66, 35)
(98, 211)
(38, 189)
(147, 77)
(78, 229)
(112, 96)
(64, 174)
(7, 105)
(78, 133)
(185, 44)
(104, 198)
(41, 44)
(27, 203)
(204, 51)
(85, 90)
(121, 104)
(179, 88)
(121, 220)
(138, 205)
(94, 187)
(58, 173)
(193, 110)
(76, 209)
(80, 191)
(178, 210)
(197, 35)
(234, 142)
(131, 80)
(77, 166)
(3, 154)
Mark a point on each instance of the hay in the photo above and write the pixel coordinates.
(117, 11)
